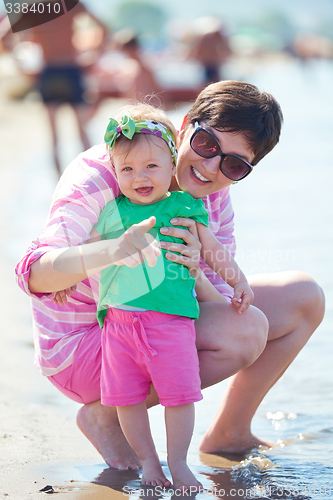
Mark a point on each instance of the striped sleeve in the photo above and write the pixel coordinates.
(86, 186)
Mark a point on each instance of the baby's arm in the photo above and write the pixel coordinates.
(218, 257)
(61, 296)
(205, 290)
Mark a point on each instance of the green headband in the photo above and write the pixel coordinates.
(128, 127)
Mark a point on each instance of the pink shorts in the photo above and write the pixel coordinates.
(81, 380)
(140, 348)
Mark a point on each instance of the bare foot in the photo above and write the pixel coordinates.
(152, 473)
(101, 426)
(182, 477)
(231, 443)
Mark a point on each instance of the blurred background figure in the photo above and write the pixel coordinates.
(69, 45)
(210, 47)
(307, 46)
(136, 77)
(123, 71)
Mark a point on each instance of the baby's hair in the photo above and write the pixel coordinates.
(142, 111)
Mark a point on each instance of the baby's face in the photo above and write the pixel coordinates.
(144, 171)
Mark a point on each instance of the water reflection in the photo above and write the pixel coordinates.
(229, 475)
(215, 473)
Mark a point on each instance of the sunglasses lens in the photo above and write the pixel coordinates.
(205, 145)
(234, 168)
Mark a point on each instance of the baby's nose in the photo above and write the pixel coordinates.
(141, 174)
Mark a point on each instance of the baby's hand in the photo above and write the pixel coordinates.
(61, 296)
(136, 244)
(243, 296)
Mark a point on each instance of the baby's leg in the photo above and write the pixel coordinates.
(179, 422)
(135, 425)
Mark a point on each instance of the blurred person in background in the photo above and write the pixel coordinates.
(65, 51)
(210, 47)
(135, 78)
(309, 46)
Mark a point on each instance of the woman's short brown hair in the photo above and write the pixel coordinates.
(234, 106)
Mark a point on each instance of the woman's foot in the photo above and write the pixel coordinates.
(214, 442)
(152, 473)
(182, 477)
(101, 426)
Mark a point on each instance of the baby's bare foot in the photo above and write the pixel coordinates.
(182, 477)
(152, 473)
(100, 425)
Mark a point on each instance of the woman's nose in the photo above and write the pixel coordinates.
(211, 165)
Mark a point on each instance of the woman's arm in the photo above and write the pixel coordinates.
(62, 268)
(86, 186)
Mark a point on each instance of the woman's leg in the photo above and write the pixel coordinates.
(135, 425)
(294, 306)
(227, 341)
(179, 421)
(101, 427)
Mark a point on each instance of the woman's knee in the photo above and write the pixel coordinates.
(307, 297)
(254, 337)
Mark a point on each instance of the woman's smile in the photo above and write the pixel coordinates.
(199, 176)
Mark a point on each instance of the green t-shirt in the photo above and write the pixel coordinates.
(167, 287)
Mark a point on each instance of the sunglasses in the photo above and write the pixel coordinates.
(232, 166)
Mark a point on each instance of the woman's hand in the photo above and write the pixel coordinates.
(188, 252)
(243, 296)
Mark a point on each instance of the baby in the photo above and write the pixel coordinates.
(147, 313)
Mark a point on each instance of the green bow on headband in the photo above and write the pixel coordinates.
(126, 127)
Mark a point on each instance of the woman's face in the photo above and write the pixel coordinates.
(200, 176)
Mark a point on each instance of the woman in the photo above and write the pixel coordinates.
(244, 123)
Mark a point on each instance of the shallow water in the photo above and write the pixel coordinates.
(283, 221)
